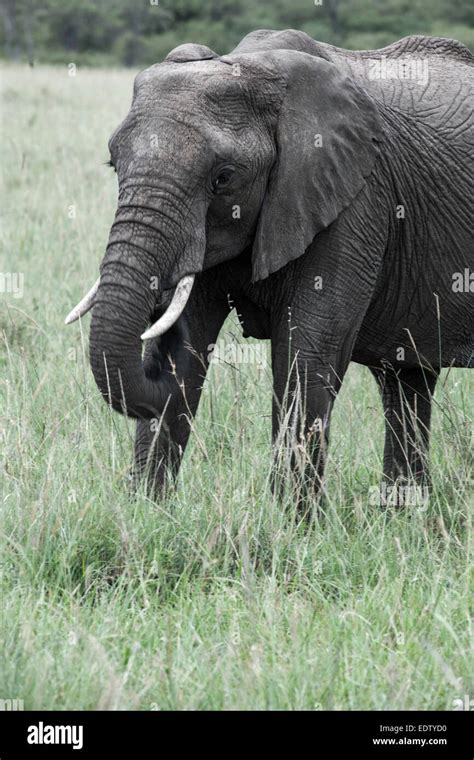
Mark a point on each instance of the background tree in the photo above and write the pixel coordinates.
(139, 32)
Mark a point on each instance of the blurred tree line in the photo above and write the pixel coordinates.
(141, 32)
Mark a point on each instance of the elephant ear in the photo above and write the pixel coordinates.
(327, 134)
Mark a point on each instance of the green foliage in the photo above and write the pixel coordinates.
(141, 33)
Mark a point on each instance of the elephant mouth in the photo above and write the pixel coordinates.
(174, 309)
(166, 313)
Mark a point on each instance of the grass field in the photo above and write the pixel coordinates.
(215, 597)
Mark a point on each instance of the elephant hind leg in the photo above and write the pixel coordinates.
(406, 395)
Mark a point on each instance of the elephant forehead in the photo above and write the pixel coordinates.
(200, 77)
(209, 85)
(140, 140)
(182, 143)
(190, 109)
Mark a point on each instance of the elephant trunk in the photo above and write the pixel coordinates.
(132, 278)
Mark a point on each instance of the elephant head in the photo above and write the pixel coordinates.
(261, 149)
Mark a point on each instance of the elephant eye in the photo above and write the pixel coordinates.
(222, 180)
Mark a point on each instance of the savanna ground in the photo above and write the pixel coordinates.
(215, 597)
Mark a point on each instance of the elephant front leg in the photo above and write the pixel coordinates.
(407, 398)
(323, 299)
(179, 363)
(159, 446)
(304, 393)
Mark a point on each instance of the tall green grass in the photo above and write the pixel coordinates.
(215, 597)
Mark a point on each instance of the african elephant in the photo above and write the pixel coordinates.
(324, 194)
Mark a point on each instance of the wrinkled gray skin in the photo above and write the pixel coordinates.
(305, 211)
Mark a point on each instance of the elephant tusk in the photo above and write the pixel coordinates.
(174, 310)
(84, 305)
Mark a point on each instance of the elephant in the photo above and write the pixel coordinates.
(326, 196)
